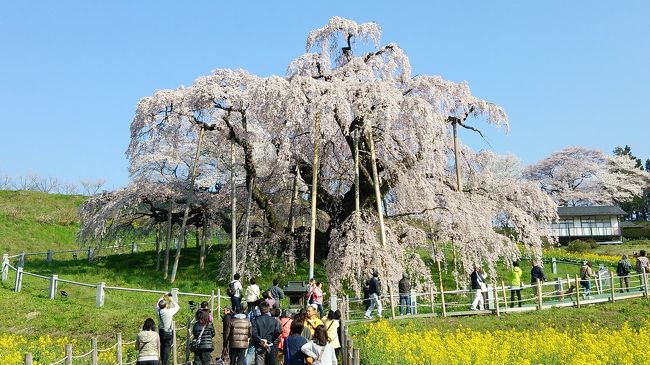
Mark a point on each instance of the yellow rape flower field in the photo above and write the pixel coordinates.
(45, 350)
(384, 344)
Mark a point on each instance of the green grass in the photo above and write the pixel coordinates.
(32, 221)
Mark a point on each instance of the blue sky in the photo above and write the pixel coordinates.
(71, 72)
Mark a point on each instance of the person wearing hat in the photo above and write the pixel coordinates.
(404, 290)
(311, 319)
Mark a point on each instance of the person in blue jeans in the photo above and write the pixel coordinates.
(404, 295)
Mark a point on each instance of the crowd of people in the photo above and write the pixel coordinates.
(623, 270)
(256, 331)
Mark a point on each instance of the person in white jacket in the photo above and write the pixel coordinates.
(148, 344)
(319, 348)
(252, 294)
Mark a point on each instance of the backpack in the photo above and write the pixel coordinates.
(231, 289)
(623, 268)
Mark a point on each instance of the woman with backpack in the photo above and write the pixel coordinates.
(319, 349)
(201, 345)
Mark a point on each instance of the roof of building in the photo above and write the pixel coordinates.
(626, 224)
(592, 210)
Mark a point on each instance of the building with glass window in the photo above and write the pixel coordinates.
(599, 223)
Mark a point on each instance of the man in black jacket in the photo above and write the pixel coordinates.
(265, 334)
(537, 273)
(404, 291)
(374, 289)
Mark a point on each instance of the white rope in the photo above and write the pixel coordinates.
(135, 290)
(83, 355)
(36, 275)
(76, 283)
(59, 361)
(108, 349)
(130, 363)
(128, 343)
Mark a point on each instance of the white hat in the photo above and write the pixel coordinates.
(314, 305)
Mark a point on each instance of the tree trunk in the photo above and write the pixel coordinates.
(314, 182)
(204, 238)
(247, 225)
(190, 195)
(294, 198)
(291, 267)
(456, 159)
(233, 211)
(158, 238)
(375, 178)
(168, 240)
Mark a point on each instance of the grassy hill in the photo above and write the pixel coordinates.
(32, 221)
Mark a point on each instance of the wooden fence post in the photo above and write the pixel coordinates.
(134, 247)
(495, 292)
(553, 265)
(212, 303)
(347, 308)
(219, 301)
(68, 354)
(355, 354)
(21, 259)
(53, 285)
(50, 255)
(539, 295)
(577, 292)
(19, 279)
(505, 297)
(118, 349)
(99, 294)
(433, 308)
(174, 349)
(94, 354)
(5, 266)
(90, 254)
(188, 331)
(392, 302)
(611, 286)
(175, 294)
(28, 358)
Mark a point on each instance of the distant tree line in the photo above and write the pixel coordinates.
(50, 185)
(638, 208)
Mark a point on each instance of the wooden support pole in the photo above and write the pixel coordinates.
(53, 286)
(577, 292)
(611, 286)
(539, 295)
(505, 297)
(5, 266)
(99, 294)
(442, 291)
(68, 354)
(376, 183)
(28, 358)
(392, 301)
(431, 297)
(174, 347)
(314, 192)
(118, 349)
(495, 293)
(357, 357)
(188, 335)
(94, 355)
(19, 279)
(49, 255)
(645, 284)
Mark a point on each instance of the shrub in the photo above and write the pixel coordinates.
(578, 246)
